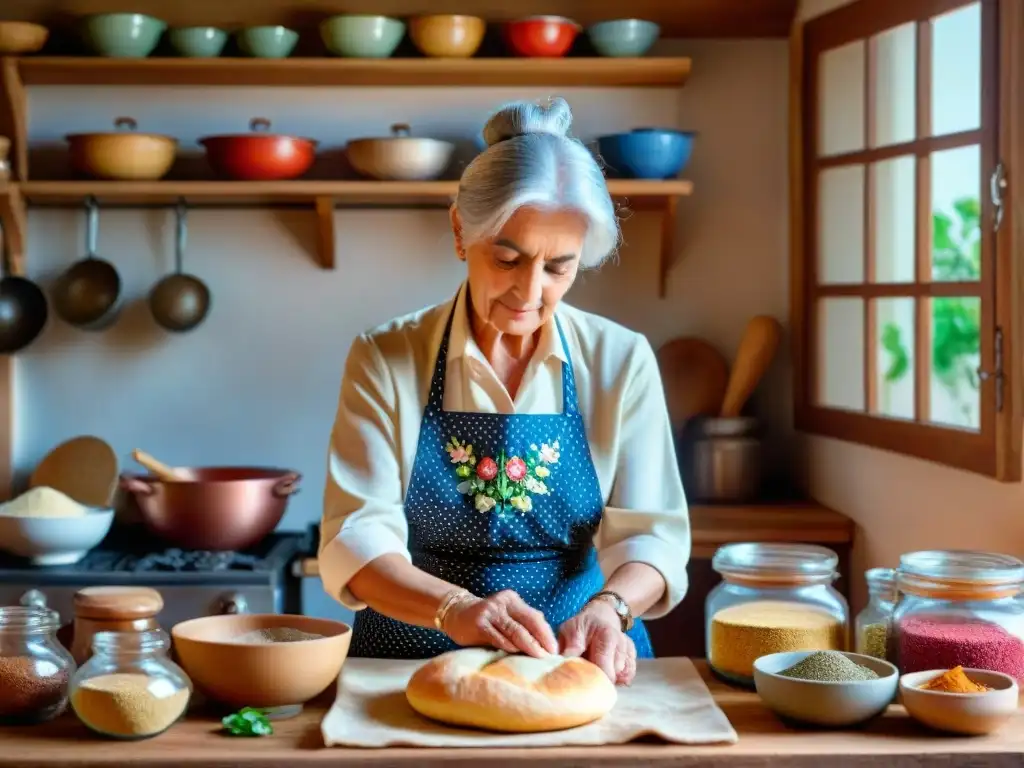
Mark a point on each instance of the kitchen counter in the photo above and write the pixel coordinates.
(892, 741)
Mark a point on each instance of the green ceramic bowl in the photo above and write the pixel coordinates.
(198, 42)
(623, 38)
(362, 37)
(122, 35)
(267, 42)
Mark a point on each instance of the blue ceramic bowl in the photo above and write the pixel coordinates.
(267, 42)
(623, 37)
(362, 37)
(646, 153)
(122, 35)
(197, 42)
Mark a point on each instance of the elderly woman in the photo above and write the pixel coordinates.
(502, 470)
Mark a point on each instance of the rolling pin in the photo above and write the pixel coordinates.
(757, 349)
(158, 468)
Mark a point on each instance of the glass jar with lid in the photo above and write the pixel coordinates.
(129, 688)
(35, 669)
(772, 598)
(872, 626)
(959, 608)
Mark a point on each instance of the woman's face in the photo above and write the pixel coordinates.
(517, 278)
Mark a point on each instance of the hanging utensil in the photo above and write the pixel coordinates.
(87, 294)
(23, 307)
(179, 302)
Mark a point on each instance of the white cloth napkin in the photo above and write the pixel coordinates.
(668, 699)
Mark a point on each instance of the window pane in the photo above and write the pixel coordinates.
(841, 225)
(841, 99)
(953, 393)
(956, 70)
(894, 357)
(841, 353)
(956, 214)
(894, 60)
(893, 218)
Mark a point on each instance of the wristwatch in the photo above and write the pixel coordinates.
(621, 607)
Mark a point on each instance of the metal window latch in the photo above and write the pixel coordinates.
(997, 185)
(996, 374)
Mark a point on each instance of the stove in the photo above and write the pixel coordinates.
(192, 583)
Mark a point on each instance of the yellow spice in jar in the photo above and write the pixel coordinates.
(129, 704)
(742, 633)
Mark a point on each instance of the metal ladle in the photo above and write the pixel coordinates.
(23, 307)
(87, 294)
(179, 302)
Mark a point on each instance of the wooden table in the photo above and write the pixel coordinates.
(892, 741)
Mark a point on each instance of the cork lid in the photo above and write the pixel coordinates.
(117, 603)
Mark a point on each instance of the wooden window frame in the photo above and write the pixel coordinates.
(995, 450)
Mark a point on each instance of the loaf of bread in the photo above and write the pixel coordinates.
(492, 690)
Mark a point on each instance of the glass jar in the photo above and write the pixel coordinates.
(35, 669)
(129, 688)
(112, 609)
(959, 608)
(873, 624)
(772, 598)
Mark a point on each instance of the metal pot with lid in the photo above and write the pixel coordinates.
(88, 294)
(260, 155)
(122, 154)
(400, 157)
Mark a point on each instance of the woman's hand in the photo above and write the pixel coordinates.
(596, 634)
(504, 621)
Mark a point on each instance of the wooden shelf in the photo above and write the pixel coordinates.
(581, 72)
(324, 196)
(714, 526)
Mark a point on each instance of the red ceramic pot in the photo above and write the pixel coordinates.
(541, 36)
(259, 156)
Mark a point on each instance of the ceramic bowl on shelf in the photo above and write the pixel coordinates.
(275, 42)
(399, 157)
(541, 36)
(362, 36)
(122, 35)
(198, 42)
(447, 36)
(836, 705)
(968, 714)
(48, 541)
(20, 37)
(646, 153)
(623, 38)
(283, 674)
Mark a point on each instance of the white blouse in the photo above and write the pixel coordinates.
(376, 432)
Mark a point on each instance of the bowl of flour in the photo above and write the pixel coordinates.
(49, 528)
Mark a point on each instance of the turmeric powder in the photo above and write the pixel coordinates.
(954, 681)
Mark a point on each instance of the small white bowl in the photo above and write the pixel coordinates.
(968, 714)
(52, 541)
(836, 705)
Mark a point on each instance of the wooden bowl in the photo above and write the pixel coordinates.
(967, 714)
(21, 37)
(262, 675)
(447, 36)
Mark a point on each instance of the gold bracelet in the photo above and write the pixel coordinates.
(449, 601)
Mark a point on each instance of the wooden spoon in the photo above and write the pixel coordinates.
(757, 349)
(158, 468)
(695, 375)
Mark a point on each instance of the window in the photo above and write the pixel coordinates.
(905, 299)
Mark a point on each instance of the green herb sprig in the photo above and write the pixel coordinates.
(247, 722)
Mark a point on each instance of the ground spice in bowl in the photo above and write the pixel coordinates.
(954, 681)
(829, 667)
(742, 633)
(31, 689)
(929, 643)
(129, 705)
(275, 635)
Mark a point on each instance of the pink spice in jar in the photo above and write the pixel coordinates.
(928, 643)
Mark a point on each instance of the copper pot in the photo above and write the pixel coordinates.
(213, 508)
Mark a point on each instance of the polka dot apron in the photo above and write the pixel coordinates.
(499, 501)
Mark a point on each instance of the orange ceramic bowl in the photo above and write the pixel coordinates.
(261, 675)
(447, 36)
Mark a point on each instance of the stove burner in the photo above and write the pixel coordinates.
(177, 560)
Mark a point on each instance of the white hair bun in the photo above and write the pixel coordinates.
(523, 117)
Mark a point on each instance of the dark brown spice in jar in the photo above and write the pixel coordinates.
(31, 689)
